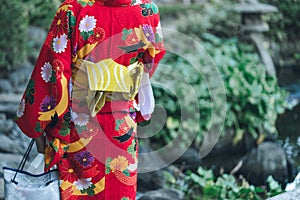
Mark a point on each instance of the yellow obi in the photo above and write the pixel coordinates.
(105, 80)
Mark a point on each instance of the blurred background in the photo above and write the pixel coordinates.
(255, 46)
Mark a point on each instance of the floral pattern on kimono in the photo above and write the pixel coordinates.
(96, 155)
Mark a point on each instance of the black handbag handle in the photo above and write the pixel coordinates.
(23, 161)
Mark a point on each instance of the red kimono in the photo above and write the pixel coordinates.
(83, 94)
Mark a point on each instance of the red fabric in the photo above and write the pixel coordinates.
(96, 156)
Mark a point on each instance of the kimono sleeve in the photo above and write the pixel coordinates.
(151, 62)
(159, 47)
(44, 106)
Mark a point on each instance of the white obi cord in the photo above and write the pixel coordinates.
(145, 97)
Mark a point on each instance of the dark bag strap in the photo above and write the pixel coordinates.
(23, 161)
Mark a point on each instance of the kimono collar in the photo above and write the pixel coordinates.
(115, 3)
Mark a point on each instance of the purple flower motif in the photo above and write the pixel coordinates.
(48, 103)
(85, 158)
(148, 32)
(132, 115)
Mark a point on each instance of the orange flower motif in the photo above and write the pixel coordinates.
(131, 39)
(120, 163)
(67, 171)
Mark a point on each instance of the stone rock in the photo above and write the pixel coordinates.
(6, 126)
(267, 159)
(150, 181)
(1, 188)
(163, 194)
(9, 160)
(189, 160)
(149, 160)
(8, 145)
(36, 36)
(20, 76)
(9, 108)
(5, 86)
(225, 145)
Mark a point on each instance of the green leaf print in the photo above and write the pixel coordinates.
(38, 127)
(125, 33)
(154, 8)
(131, 150)
(107, 165)
(85, 35)
(133, 60)
(64, 131)
(157, 38)
(80, 129)
(29, 93)
(53, 77)
(90, 191)
(126, 172)
(118, 123)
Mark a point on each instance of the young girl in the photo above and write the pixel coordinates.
(84, 90)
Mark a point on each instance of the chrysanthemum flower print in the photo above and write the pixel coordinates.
(60, 43)
(67, 172)
(88, 23)
(131, 39)
(148, 32)
(120, 163)
(80, 119)
(98, 35)
(60, 23)
(47, 72)
(48, 103)
(82, 184)
(21, 108)
(84, 158)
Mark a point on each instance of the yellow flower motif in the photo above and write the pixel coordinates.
(120, 163)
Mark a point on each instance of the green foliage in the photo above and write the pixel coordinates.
(204, 185)
(41, 12)
(211, 18)
(254, 98)
(285, 24)
(14, 23)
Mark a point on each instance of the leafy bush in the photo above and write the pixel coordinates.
(254, 98)
(14, 23)
(41, 12)
(285, 24)
(204, 185)
(212, 17)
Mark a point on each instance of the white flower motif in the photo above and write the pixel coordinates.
(80, 119)
(70, 87)
(60, 43)
(47, 72)
(87, 24)
(21, 109)
(132, 167)
(82, 184)
(159, 30)
(136, 106)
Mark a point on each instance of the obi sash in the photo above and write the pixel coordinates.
(105, 81)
